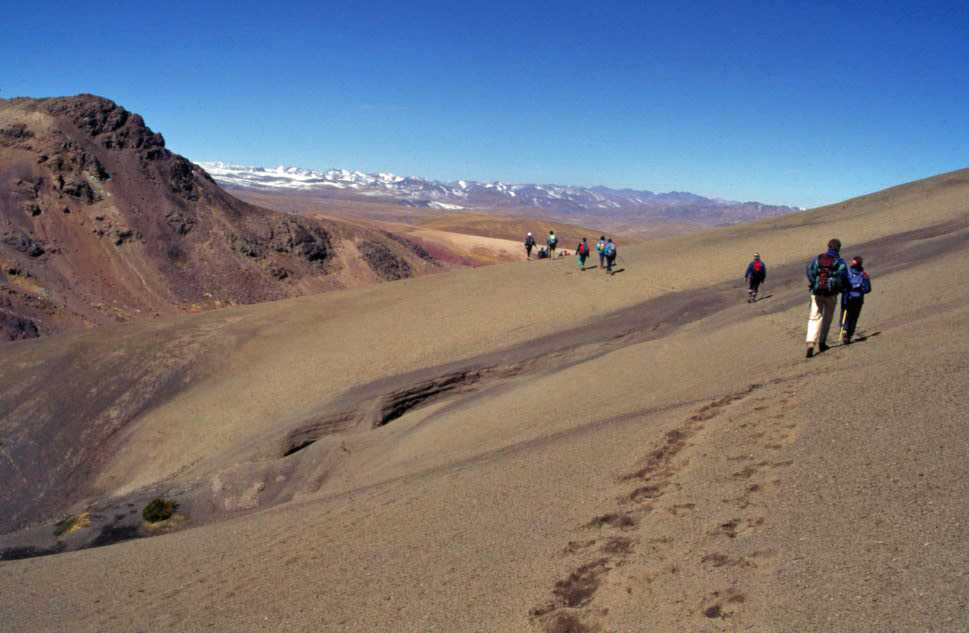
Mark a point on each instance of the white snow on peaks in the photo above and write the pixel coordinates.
(464, 194)
(284, 177)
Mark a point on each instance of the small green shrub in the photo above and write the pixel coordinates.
(64, 526)
(159, 509)
(72, 524)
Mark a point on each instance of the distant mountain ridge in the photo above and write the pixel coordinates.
(469, 194)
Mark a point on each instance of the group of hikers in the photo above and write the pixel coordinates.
(828, 276)
(605, 248)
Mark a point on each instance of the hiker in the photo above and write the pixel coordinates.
(610, 252)
(755, 276)
(582, 252)
(852, 300)
(552, 242)
(827, 276)
(529, 245)
(601, 249)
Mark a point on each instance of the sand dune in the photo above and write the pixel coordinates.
(520, 447)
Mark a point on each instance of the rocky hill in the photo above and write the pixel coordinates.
(99, 222)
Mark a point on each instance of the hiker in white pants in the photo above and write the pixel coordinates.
(827, 277)
(819, 322)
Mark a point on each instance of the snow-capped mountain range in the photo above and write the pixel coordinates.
(465, 194)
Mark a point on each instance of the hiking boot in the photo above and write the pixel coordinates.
(823, 347)
(810, 352)
(846, 340)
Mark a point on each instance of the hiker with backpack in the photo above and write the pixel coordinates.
(551, 242)
(601, 250)
(610, 252)
(582, 252)
(827, 276)
(529, 245)
(755, 276)
(852, 300)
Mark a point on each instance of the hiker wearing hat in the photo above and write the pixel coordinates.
(827, 276)
(529, 245)
(601, 250)
(755, 276)
(852, 300)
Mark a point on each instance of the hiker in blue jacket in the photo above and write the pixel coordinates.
(756, 275)
(601, 249)
(852, 300)
(827, 276)
(610, 252)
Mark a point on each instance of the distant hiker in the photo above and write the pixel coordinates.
(529, 245)
(601, 249)
(827, 276)
(755, 276)
(551, 242)
(582, 251)
(542, 252)
(852, 300)
(610, 252)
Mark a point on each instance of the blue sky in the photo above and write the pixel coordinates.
(799, 103)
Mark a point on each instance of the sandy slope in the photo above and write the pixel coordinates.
(642, 452)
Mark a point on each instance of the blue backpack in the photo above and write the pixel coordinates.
(610, 249)
(858, 283)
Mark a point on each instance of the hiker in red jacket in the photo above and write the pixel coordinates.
(756, 275)
(582, 252)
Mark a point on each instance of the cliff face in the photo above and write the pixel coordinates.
(100, 222)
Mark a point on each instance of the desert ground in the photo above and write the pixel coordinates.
(520, 447)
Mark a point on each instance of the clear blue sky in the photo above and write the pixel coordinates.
(799, 103)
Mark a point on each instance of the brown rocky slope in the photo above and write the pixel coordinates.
(99, 222)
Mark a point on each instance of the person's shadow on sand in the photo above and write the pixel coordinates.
(617, 271)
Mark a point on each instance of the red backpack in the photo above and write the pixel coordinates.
(583, 249)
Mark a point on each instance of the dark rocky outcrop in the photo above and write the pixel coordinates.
(14, 328)
(383, 261)
(23, 244)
